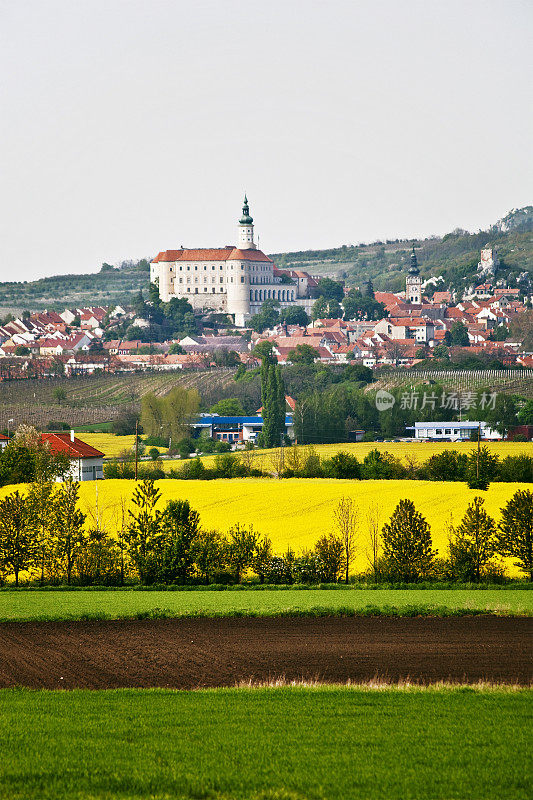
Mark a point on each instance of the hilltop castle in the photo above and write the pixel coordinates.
(232, 280)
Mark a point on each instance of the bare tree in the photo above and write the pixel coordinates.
(373, 523)
(247, 457)
(277, 460)
(345, 515)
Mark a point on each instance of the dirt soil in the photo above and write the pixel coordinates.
(193, 653)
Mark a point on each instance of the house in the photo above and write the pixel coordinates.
(86, 461)
(3, 441)
(453, 431)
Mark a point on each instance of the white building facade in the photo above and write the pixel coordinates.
(453, 431)
(231, 280)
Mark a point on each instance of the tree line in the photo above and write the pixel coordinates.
(46, 534)
(477, 468)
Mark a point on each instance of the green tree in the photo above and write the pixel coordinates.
(474, 542)
(441, 351)
(320, 309)
(330, 289)
(329, 550)
(18, 545)
(262, 558)
(179, 525)
(525, 415)
(143, 534)
(265, 353)
(228, 407)
(209, 553)
(459, 334)
(303, 354)
(176, 349)
(267, 317)
(273, 402)
(242, 547)
(59, 395)
(40, 502)
(503, 417)
(515, 534)
(294, 315)
(407, 543)
(68, 523)
(481, 468)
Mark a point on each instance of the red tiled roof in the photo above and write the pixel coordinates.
(408, 322)
(209, 254)
(61, 443)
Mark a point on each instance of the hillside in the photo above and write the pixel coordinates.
(454, 256)
(109, 285)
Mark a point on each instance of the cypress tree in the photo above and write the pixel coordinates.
(280, 403)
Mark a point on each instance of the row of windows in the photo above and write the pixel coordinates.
(257, 295)
(196, 268)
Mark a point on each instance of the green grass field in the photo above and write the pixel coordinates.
(324, 743)
(56, 605)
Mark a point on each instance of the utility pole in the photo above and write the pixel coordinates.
(282, 453)
(136, 447)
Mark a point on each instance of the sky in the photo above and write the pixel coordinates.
(133, 126)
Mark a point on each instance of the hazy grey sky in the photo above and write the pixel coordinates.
(133, 126)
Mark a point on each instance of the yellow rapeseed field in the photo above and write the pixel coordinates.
(112, 446)
(414, 452)
(297, 511)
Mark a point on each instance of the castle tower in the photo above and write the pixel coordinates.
(413, 282)
(246, 229)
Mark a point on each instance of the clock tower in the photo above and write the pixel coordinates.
(413, 282)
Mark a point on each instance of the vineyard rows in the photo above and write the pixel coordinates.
(512, 380)
(93, 399)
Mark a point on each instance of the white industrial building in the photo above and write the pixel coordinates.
(454, 431)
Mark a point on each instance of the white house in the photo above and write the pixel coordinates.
(86, 461)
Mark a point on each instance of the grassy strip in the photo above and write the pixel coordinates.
(522, 585)
(344, 612)
(319, 743)
(135, 605)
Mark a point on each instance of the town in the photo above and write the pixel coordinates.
(233, 299)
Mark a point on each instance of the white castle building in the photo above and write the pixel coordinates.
(232, 280)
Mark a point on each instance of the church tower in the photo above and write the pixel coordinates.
(246, 229)
(413, 282)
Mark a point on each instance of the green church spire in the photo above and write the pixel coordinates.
(413, 269)
(246, 219)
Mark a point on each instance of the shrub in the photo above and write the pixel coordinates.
(191, 470)
(450, 465)
(516, 468)
(342, 465)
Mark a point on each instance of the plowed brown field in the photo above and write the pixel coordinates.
(193, 653)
